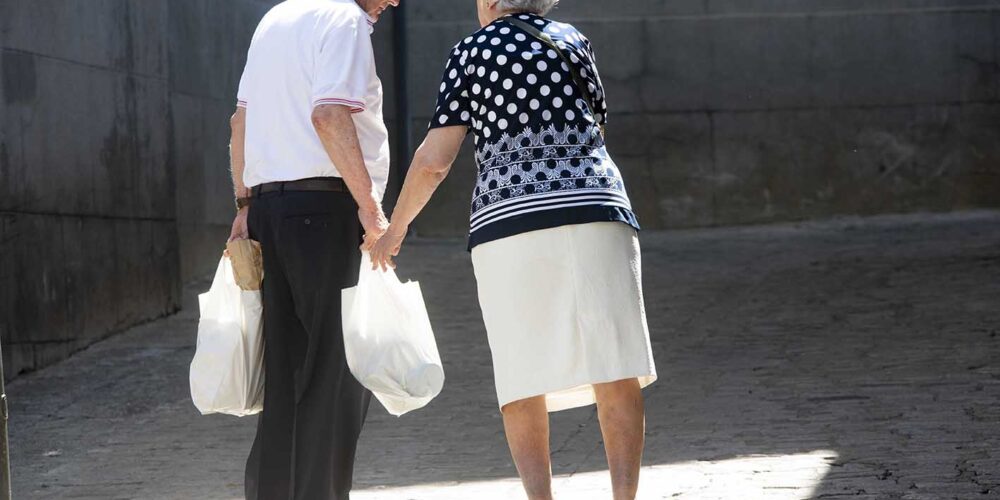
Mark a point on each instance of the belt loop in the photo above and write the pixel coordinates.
(281, 191)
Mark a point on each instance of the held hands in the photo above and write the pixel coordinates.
(387, 247)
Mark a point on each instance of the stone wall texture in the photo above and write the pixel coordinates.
(114, 184)
(113, 136)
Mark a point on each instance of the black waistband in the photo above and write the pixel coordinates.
(310, 184)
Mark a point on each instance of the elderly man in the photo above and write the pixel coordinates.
(310, 159)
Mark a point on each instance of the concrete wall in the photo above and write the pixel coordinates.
(733, 112)
(87, 224)
(113, 164)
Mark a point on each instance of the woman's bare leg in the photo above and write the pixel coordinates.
(526, 423)
(623, 425)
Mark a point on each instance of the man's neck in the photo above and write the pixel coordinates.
(365, 6)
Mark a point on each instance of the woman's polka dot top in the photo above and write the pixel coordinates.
(539, 149)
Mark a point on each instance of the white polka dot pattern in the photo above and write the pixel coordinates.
(535, 136)
(495, 78)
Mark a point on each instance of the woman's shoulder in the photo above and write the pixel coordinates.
(503, 33)
(565, 35)
(477, 38)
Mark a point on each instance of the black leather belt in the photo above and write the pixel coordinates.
(310, 184)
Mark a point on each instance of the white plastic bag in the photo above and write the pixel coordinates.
(388, 339)
(227, 372)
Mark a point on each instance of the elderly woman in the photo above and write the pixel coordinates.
(552, 235)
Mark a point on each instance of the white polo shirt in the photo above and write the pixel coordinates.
(306, 53)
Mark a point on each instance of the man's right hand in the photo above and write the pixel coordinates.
(374, 223)
(239, 231)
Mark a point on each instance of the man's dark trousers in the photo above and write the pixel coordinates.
(313, 407)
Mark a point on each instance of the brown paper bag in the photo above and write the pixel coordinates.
(248, 266)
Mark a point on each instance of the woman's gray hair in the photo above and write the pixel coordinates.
(540, 7)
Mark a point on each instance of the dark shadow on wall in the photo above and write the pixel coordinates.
(113, 160)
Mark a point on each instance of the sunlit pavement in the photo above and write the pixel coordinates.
(856, 359)
(789, 477)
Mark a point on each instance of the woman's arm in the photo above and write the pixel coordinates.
(429, 167)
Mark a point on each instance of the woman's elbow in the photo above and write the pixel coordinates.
(431, 167)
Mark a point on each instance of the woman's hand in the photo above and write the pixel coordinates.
(388, 246)
(430, 165)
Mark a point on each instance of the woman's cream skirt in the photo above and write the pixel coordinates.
(563, 311)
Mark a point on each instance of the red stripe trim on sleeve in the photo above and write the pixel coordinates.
(241, 104)
(356, 106)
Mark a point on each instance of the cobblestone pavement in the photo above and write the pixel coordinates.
(855, 358)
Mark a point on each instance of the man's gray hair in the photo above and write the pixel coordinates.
(540, 7)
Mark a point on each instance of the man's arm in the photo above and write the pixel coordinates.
(237, 161)
(335, 127)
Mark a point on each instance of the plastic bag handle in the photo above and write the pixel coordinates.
(366, 269)
(366, 273)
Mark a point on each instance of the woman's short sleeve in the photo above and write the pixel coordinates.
(453, 95)
(594, 85)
